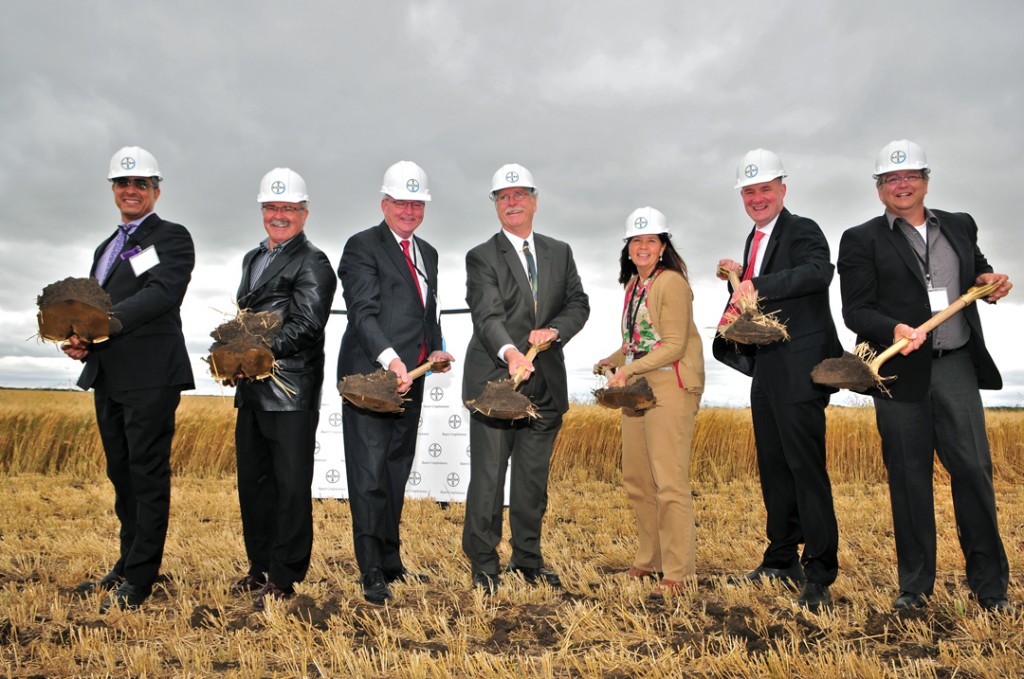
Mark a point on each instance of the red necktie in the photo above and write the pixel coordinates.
(419, 290)
(748, 273)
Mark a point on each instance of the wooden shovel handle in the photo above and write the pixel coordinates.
(734, 278)
(422, 370)
(958, 305)
(530, 355)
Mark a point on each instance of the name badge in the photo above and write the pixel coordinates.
(938, 299)
(144, 261)
(629, 358)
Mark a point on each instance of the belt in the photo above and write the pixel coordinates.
(939, 353)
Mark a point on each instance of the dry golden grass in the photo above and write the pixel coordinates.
(59, 528)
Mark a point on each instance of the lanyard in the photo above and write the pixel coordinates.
(635, 302)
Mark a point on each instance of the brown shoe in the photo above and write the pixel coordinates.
(641, 574)
(668, 588)
(271, 591)
(248, 583)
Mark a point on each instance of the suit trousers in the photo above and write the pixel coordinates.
(275, 452)
(493, 443)
(379, 452)
(137, 427)
(950, 421)
(656, 475)
(790, 440)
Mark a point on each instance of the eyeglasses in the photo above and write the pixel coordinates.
(893, 180)
(287, 209)
(515, 195)
(140, 184)
(416, 205)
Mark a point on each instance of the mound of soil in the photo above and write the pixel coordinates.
(242, 347)
(377, 391)
(635, 396)
(75, 306)
(501, 401)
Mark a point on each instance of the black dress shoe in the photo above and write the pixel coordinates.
(271, 591)
(814, 596)
(108, 582)
(406, 576)
(998, 604)
(375, 587)
(249, 583)
(487, 582)
(792, 577)
(907, 600)
(533, 576)
(127, 597)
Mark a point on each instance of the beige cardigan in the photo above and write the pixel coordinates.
(670, 304)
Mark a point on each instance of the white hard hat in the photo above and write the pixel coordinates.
(511, 175)
(902, 154)
(282, 185)
(758, 166)
(646, 220)
(405, 180)
(132, 161)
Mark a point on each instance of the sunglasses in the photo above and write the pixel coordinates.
(140, 184)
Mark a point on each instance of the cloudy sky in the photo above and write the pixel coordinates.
(612, 105)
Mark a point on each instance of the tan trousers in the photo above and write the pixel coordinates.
(656, 475)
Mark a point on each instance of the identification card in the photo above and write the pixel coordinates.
(629, 358)
(938, 298)
(144, 261)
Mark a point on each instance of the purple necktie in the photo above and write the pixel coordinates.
(113, 252)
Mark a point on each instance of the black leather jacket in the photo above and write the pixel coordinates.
(299, 284)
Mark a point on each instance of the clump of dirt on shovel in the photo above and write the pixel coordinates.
(242, 347)
(75, 306)
(501, 401)
(752, 327)
(376, 391)
(635, 396)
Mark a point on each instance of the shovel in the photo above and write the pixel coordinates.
(859, 371)
(500, 399)
(751, 326)
(636, 395)
(378, 391)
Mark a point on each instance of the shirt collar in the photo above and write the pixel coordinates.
(134, 224)
(929, 218)
(517, 241)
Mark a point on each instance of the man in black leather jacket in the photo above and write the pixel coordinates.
(275, 433)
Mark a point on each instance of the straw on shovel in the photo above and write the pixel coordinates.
(500, 399)
(751, 326)
(859, 371)
(378, 391)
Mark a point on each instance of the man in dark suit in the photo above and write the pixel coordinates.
(389, 278)
(139, 373)
(275, 429)
(788, 268)
(522, 289)
(896, 271)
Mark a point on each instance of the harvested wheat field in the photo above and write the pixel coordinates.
(58, 528)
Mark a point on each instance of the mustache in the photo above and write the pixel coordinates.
(279, 222)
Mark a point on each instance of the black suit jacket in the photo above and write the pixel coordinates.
(794, 282)
(882, 286)
(501, 301)
(299, 284)
(149, 350)
(383, 306)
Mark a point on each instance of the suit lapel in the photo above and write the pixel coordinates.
(902, 247)
(544, 274)
(281, 260)
(138, 238)
(511, 257)
(773, 240)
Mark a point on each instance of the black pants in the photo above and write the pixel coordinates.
(275, 477)
(379, 451)
(950, 421)
(493, 443)
(136, 428)
(790, 439)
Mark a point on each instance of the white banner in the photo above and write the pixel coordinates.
(441, 467)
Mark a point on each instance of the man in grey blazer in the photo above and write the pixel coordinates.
(389, 278)
(275, 430)
(522, 289)
(896, 271)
